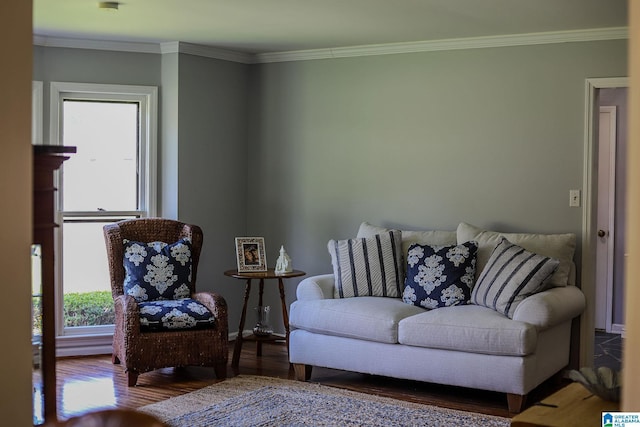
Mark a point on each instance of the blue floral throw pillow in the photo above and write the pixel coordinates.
(440, 276)
(157, 270)
(174, 314)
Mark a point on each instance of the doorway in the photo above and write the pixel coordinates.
(603, 235)
(610, 240)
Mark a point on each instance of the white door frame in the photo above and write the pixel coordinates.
(587, 322)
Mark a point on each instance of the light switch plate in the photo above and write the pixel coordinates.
(574, 198)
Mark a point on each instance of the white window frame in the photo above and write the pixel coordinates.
(97, 339)
(36, 112)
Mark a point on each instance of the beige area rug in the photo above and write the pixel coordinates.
(266, 401)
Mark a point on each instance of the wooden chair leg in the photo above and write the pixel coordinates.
(132, 377)
(302, 371)
(221, 370)
(516, 402)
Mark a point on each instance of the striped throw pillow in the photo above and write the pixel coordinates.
(369, 266)
(511, 274)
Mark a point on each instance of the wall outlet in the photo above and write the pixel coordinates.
(574, 198)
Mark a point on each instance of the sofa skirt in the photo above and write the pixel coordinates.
(506, 374)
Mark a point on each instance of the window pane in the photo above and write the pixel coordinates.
(102, 175)
(87, 290)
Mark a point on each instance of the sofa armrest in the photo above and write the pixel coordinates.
(551, 307)
(316, 287)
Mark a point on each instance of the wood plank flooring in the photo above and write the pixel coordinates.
(93, 382)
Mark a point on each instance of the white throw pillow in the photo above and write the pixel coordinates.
(410, 237)
(512, 273)
(368, 266)
(559, 246)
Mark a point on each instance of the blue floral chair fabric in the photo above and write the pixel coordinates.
(157, 270)
(161, 321)
(185, 313)
(157, 276)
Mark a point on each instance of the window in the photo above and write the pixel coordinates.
(110, 178)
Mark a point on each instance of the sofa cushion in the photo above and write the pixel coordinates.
(468, 328)
(511, 274)
(157, 270)
(558, 246)
(440, 276)
(367, 266)
(367, 318)
(409, 237)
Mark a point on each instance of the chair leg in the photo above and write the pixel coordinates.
(221, 370)
(132, 377)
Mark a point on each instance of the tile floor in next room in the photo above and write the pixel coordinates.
(608, 350)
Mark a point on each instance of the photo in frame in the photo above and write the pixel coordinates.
(251, 254)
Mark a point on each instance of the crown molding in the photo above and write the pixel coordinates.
(96, 44)
(573, 36)
(448, 44)
(206, 51)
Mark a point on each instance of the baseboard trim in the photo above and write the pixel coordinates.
(618, 328)
(68, 346)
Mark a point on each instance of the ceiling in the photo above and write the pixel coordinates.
(263, 26)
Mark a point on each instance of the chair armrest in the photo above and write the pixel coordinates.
(127, 314)
(316, 287)
(217, 305)
(551, 307)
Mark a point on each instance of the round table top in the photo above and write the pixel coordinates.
(269, 274)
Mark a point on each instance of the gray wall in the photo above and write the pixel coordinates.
(169, 114)
(212, 178)
(302, 152)
(491, 136)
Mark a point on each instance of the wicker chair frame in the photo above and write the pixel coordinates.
(141, 351)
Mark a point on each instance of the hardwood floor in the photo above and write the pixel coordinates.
(93, 382)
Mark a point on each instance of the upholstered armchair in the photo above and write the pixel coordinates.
(160, 319)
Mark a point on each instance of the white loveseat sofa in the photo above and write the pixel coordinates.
(466, 345)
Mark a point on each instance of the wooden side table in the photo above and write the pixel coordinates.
(572, 406)
(262, 275)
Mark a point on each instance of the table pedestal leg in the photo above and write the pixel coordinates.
(237, 349)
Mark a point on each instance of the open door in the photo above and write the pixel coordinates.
(605, 222)
(611, 210)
